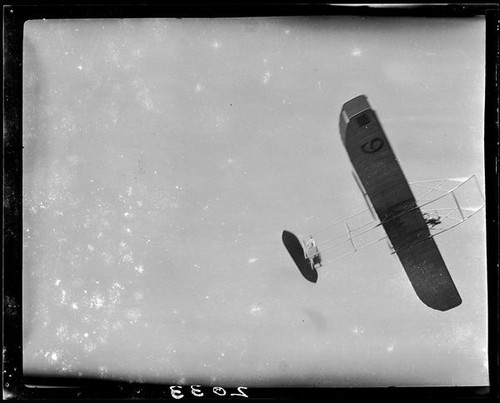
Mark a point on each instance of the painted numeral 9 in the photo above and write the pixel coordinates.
(372, 146)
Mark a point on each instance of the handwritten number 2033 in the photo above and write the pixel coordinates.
(372, 146)
(176, 391)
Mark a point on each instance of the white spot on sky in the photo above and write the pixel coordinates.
(357, 330)
(266, 77)
(216, 45)
(97, 301)
(88, 347)
(287, 31)
(390, 348)
(108, 257)
(73, 159)
(117, 325)
(58, 281)
(133, 315)
(137, 53)
(198, 88)
(103, 371)
(220, 121)
(356, 52)
(54, 356)
(128, 258)
(79, 67)
(118, 286)
(252, 260)
(129, 191)
(144, 97)
(255, 310)
(139, 269)
(74, 305)
(62, 332)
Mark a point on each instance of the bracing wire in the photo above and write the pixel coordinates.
(355, 232)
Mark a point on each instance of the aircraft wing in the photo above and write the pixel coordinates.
(389, 192)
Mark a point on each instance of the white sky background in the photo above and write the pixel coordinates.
(163, 159)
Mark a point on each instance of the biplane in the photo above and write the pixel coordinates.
(406, 216)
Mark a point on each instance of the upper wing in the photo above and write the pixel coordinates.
(391, 196)
(452, 201)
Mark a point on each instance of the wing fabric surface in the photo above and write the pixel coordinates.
(390, 194)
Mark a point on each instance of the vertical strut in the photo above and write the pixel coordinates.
(349, 235)
(458, 205)
(478, 187)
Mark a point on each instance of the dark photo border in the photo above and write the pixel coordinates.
(18, 387)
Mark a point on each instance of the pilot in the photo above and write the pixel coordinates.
(313, 252)
(433, 221)
(311, 243)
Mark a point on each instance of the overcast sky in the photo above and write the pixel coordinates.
(164, 157)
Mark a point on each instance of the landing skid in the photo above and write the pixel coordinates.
(294, 247)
